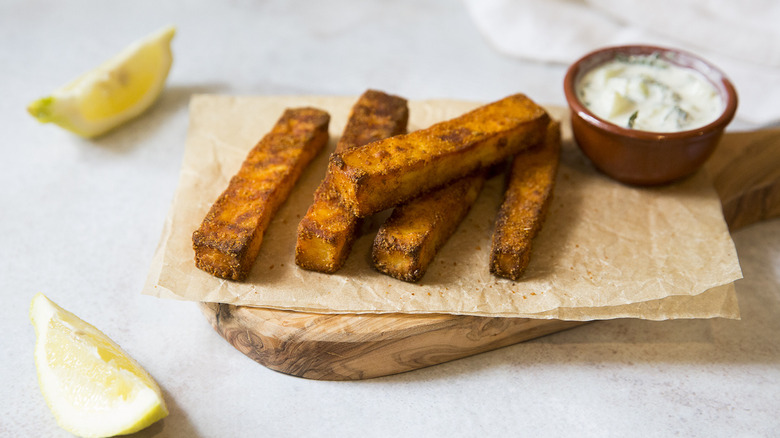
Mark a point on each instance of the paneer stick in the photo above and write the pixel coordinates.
(415, 231)
(530, 185)
(327, 231)
(229, 238)
(386, 173)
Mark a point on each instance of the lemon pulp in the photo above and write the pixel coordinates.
(112, 93)
(92, 387)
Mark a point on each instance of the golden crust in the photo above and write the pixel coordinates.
(409, 239)
(388, 172)
(327, 231)
(229, 238)
(375, 116)
(530, 186)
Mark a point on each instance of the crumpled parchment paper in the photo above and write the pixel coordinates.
(606, 250)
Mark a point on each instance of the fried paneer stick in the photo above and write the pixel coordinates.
(409, 239)
(228, 241)
(530, 185)
(388, 172)
(327, 231)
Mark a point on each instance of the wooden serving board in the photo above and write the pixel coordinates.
(746, 172)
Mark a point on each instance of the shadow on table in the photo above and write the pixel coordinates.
(752, 340)
(174, 99)
(175, 424)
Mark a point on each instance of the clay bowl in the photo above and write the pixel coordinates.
(640, 157)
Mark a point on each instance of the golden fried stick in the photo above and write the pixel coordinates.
(530, 185)
(409, 239)
(327, 231)
(388, 172)
(228, 240)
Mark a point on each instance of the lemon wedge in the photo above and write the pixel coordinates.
(93, 387)
(113, 93)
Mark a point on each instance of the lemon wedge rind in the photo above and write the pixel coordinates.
(111, 94)
(91, 385)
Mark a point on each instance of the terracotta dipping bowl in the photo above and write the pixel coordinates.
(642, 157)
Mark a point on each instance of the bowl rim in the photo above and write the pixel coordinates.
(576, 70)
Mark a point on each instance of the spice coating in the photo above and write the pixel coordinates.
(530, 186)
(228, 240)
(392, 171)
(327, 231)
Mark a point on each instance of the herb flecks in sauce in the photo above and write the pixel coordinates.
(648, 93)
(632, 119)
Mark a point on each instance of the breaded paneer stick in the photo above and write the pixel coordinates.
(228, 240)
(386, 173)
(530, 185)
(327, 231)
(409, 239)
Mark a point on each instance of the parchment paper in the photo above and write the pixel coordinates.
(606, 250)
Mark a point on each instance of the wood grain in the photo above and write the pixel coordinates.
(746, 173)
(350, 347)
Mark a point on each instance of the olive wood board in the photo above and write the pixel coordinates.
(746, 173)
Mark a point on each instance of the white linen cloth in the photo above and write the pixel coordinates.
(742, 37)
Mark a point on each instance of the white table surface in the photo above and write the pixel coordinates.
(80, 219)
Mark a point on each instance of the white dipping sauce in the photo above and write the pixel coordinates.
(650, 94)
